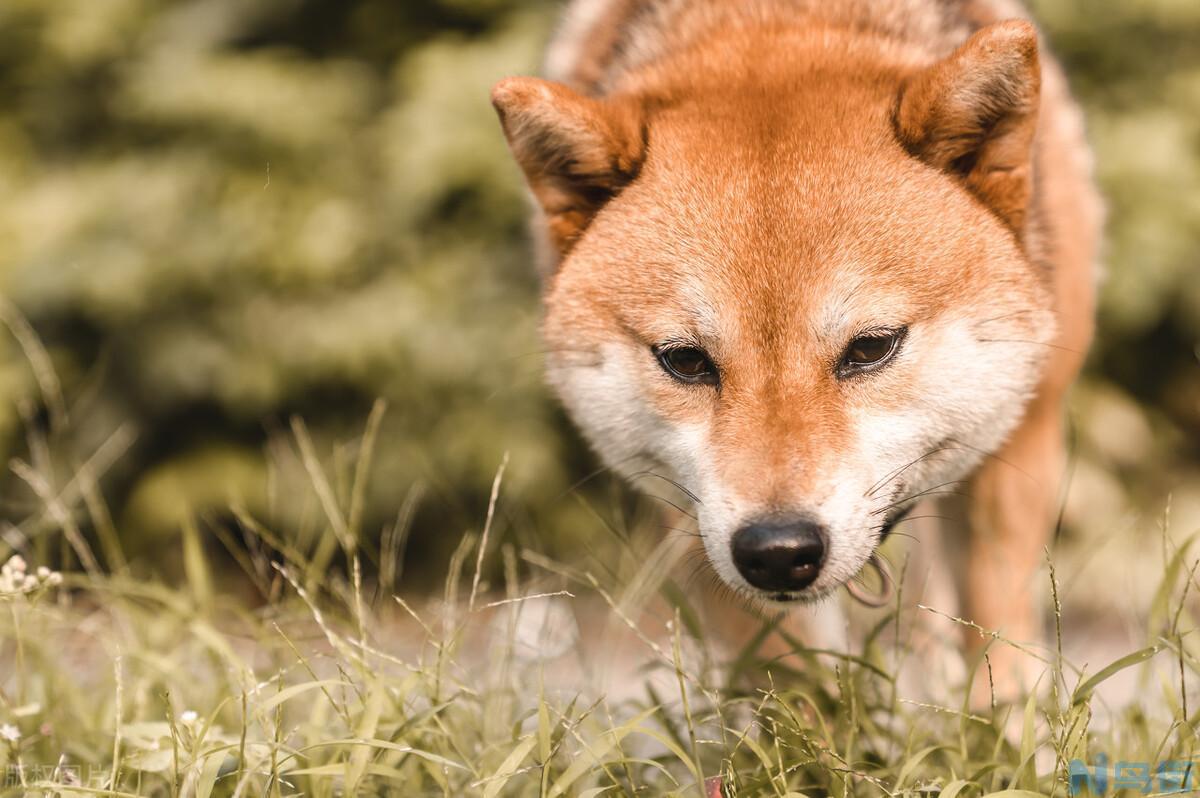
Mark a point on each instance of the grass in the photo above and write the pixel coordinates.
(326, 682)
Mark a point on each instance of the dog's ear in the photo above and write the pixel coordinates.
(974, 114)
(577, 152)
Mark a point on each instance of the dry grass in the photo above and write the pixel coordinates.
(328, 684)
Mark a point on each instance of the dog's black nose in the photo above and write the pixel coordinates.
(783, 556)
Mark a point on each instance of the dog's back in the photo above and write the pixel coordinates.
(599, 40)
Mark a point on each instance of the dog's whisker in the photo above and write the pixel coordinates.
(667, 479)
(933, 491)
(665, 500)
(907, 518)
(1014, 314)
(913, 538)
(1029, 343)
(691, 533)
(897, 472)
(602, 470)
(924, 494)
(993, 456)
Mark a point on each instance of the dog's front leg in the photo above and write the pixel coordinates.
(1011, 507)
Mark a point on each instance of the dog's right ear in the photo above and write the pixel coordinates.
(576, 152)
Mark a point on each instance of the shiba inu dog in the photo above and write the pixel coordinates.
(817, 261)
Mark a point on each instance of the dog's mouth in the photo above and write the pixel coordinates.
(806, 596)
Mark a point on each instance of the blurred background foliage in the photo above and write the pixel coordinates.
(217, 215)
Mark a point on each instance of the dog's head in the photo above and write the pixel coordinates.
(798, 289)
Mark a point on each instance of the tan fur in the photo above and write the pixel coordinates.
(767, 179)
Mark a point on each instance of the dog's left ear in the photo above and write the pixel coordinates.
(974, 114)
(576, 152)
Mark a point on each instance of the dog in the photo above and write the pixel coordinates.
(816, 261)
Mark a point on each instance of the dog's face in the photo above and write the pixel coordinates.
(804, 313)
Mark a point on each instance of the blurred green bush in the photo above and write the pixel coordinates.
(219, 214)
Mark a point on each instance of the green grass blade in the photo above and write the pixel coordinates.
(1085, 690)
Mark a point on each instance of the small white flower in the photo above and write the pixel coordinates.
(15, 578)
(189, 717)
(10, 733)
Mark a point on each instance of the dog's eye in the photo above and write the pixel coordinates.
(688, 364)
(870, 351)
